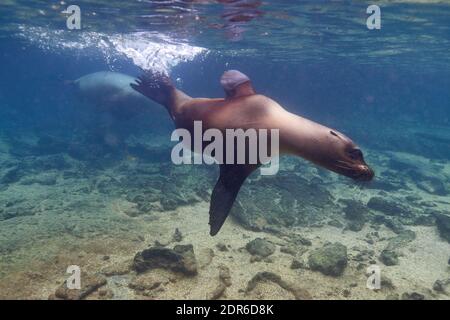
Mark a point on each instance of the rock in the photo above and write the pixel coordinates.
(443, 225)
(392, 296)
(401, 240)
(117, 269)
(356, 212)
(224, 275)
(388, 207)
(218, 292)
(296, 264)
(346, 293)
(299, 240)
(389, 257)
(105, 294)
(386, 282)
(177, 236)
(260, 247)
(441, 286)
(143, 283)
(425, 220)
(179, 259)
(89, 284)
(394, 224)
(221, 247)
(331, 259)
(289, 249)
(299, 293)
(335, 223)
(412, 296)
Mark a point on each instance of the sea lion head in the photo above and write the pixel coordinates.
(344, 157)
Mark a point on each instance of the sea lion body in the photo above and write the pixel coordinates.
(111, 92)
(244, 109)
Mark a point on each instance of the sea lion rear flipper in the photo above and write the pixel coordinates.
(232, 176)
(233, 81)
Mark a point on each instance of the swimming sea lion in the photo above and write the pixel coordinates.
(111, 92)
(244, 109)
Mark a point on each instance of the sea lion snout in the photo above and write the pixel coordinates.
(364, 173)
(354, 166)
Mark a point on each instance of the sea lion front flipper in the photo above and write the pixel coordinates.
(232, 176)
(236, 84)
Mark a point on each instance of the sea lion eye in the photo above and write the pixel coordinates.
(355, 154)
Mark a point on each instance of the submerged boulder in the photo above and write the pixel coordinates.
(389, 257)
(298, 292)
(356, 212)
(443, 225)
(260, 247)
(388, 207)
(179, 259)
(331, 259)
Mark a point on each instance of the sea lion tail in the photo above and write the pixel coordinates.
(155, 86)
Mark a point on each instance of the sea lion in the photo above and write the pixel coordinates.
(243, 109)
(111, 92)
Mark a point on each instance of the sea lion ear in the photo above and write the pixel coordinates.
(233, 81)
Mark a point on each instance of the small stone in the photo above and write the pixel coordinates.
(443, 225)
(389, 257)
(221, 247)
(180, 259)
(335, 223)
(386, 206)
(288, 250)
(218, 292)
(441, 285)
(177, 236)
(260, 247)
(413, 296)
(296, 264)
(298, 292)
(346, 293)
(224, 275)
(331, 259)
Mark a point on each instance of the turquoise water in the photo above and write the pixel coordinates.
(82, 184)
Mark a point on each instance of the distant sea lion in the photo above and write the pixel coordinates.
(111, 92)
(244, 109)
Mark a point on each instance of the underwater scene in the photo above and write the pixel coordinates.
(96, 202)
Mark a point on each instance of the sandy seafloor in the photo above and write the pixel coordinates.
(59, 211)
